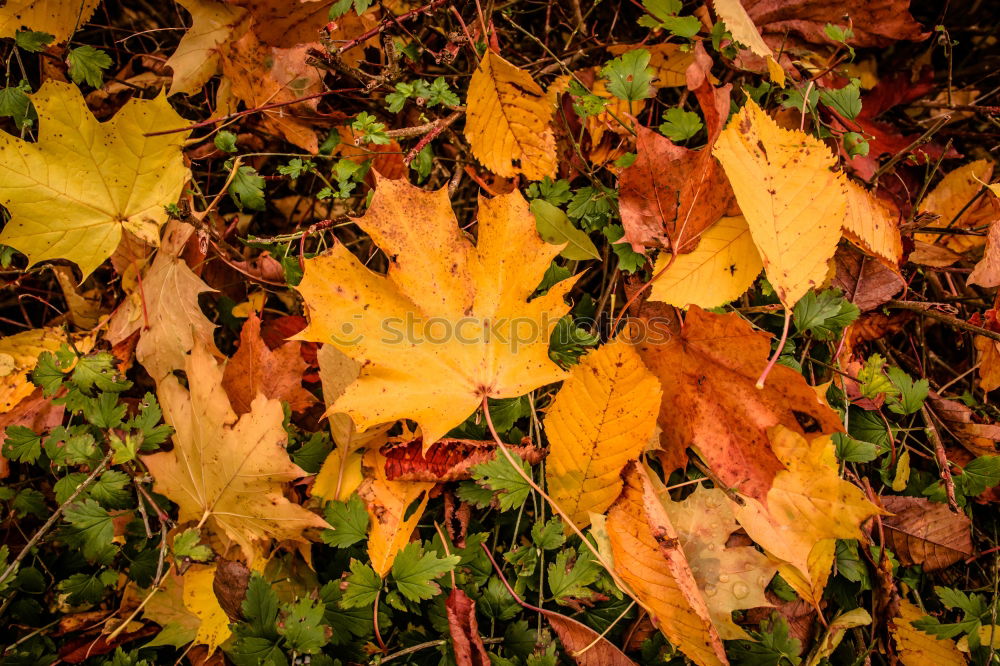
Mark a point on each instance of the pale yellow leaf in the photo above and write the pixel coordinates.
(834, 634)
(916, 648)
(72, 193)
(196, 58)
(599, 421)
(793, 201)
(742, 28)
(450, 323)
(649, 559)
(60, 18)
(224, 473)
(870, 224)
(723, 266)
(808, 508)
(507, 121)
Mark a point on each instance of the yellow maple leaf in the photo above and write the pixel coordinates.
(731, 578)
(916, 648)
(507, 122)
(723, 266)
(391, 520)
(224, 473)
(808, 508)
(59, 18)
(793, 201)
(599, 421)
(450, 323)
(648, 557)
(73, 192)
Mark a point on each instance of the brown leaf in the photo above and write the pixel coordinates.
(711, 403)
(82, 649)
(671, 194)
(230, 586)
(866, 282)
(874, 22)
(256, 370)
(926, 533)
(979, 438)
(464, 629)
(446, 460)
(987, 271)
(575, 636)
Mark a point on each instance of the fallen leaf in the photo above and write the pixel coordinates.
(508, 121)
(870, 225)
(925, 533)
(199, 599)
(198, 55)
(731, 578)
(806, 510)
(18, 356)
(872, 22)
(865, 281)
(256, 370)
(792, 199)
(576, 636)
(446, 460)
(164, 309)
(649, 558)
(495, 342)
(599, 421)
(62, 211)
(952, 201)
(56, 17)
(834, 634)
(742, 28)
(936, 256)
(227, 473)
(989, 362)
(394, 509)
(979, 438)
(710, 401)
(916, 648)
(464, 630)
(987, 272)
(722, 267)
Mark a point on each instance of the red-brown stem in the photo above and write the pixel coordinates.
(777, 352)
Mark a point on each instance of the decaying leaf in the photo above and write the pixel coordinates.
(793, 201)
(710, 402)
(257, 370)
(599, 421)
(979, 437)
(917, 648)
(926, 533)
(865, 281)
(723, 266)
(507, 122)
(58, 18)
(806, 510)
(584, 645)
(954, 201)
(226, 473)
(446, 460)
(495, 341)
(62, 211)
(464, 630)
(872, 22)
(649, 558)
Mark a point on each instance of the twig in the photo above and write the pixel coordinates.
(926, 309)
(919, 141)
(381, 27)
(441, 126)
(942, 459)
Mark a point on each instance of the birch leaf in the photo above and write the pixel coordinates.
(599, 421)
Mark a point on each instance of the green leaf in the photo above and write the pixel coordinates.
(423, 163)
(629, 76)
(302, 626)
(566, 580)
(247, 189)
(846, 101)
(549, 535)
(854, 450)
(87, 64)
(187, 545)
(873, 380)
(629, 261)
(356, 621)
(370, 130)
(555, 192)
(771, 646)
(680, 125)
(310, 456)
(440, 93)
(495, 602)
(824, 314)
(296, 168)
(48, 374)
(341, 7)
(88, 588)
(868, 427)
(104, 411)
(260, 607)
(349, 521)
(98, 370)
(363, 586)
(980, 474)
(415, 571)
(504, 412)
(22, 444)
(110, 489)
(90, 527)
(225, 141)
(911, 393)
(554, 274)
(148, 421)
(519, 638)
(569, 342)
(499, 476)
(14, 103)
(555, 228)
(29, 501)
(663, 14)
(33, 42)
(64, 487)
(593, 207)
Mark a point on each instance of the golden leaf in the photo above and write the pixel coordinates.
(808, 508)
(599, 421)
(989, 362)
(224, 473)
(73, 192)
(196, 58)
(200, 600)
(59, 18)
(742, 28)
(391, 520)
(870, 225)
(952, 201)
(18, 356)
(730, 578)
(450, 323)
(916, 648)
(793, 201)
(507, 122)
(723, 266)
(649, 558)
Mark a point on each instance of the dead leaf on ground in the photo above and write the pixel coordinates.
(926, 533)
